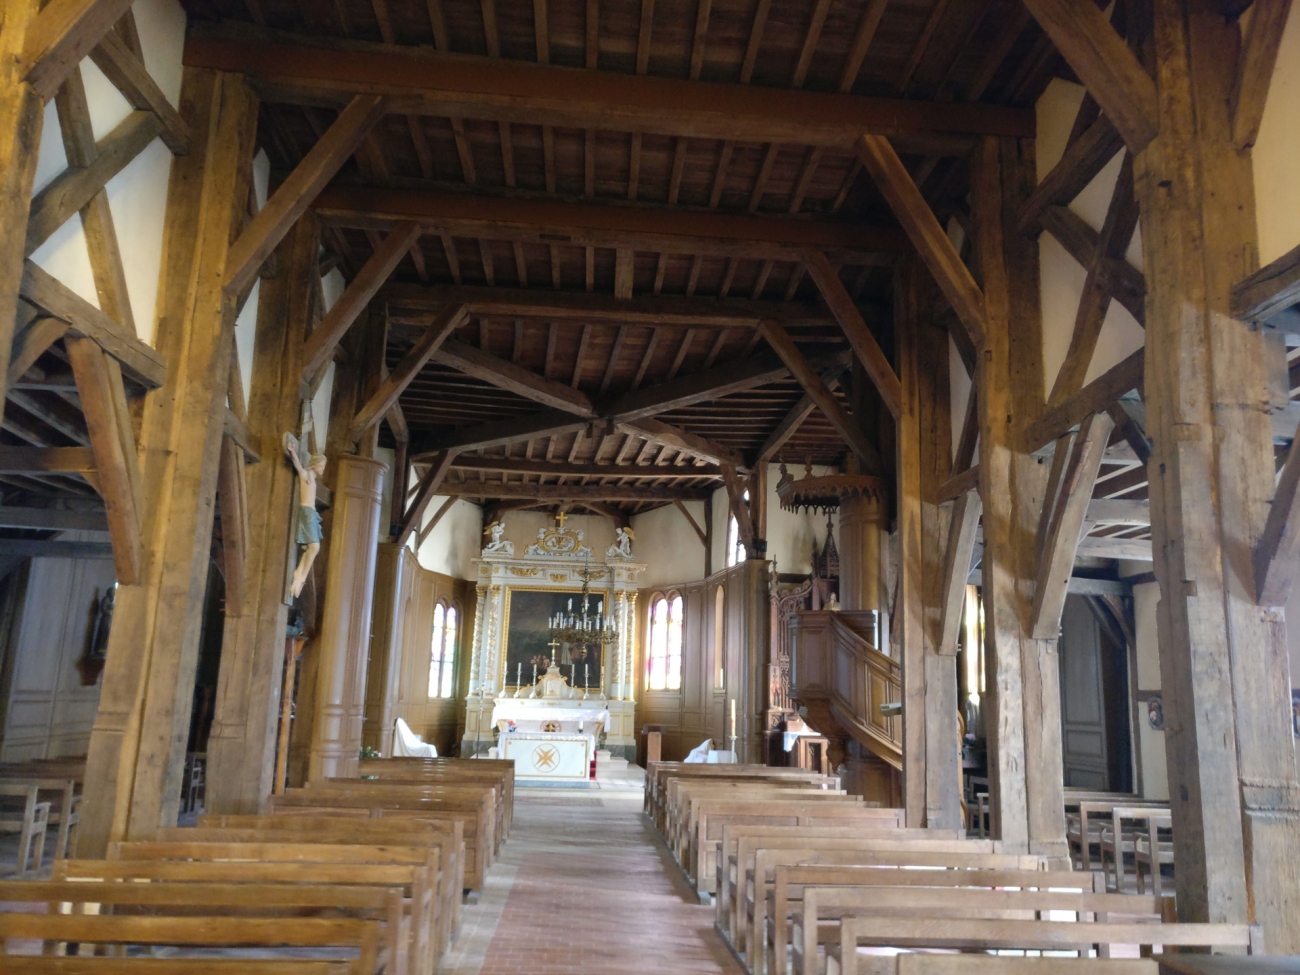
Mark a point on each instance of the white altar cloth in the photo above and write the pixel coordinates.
(528, 715)
(555, 757)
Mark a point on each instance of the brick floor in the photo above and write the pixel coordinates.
(595, 891)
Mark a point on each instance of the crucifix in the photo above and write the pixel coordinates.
(560, 518)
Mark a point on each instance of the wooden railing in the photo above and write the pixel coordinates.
(832, 660)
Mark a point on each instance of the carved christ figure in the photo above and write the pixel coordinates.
(308, 521)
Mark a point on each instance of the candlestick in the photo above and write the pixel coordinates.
(733, 717)
(586, 688)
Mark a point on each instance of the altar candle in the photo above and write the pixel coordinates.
(584, 677)
(733, 717)
(534, 674)
(519, 674)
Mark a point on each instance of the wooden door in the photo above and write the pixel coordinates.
(1083, 699)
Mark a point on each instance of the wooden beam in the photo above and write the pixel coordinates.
(126, 70)
(571, 492)
(52, 519)
(24, 548)
(1095, 397)
(495, 89)
(32, 344)
(846, 426)
(76, 186)
(681, 506)
(541, 468)
(504, 374)
(1277, 553)
(1082, 160)
(543, 221)
(232, 502)
(430, 485)
(1255, 62)
(47, 460)
(1133, 549)
(1270, 290)
(61, 35)
(855, 330)
(740, 510)
(706, 386)
(319, 348)
(1105, 64)
(927, 236)
(803, 409)
(500, 433)
(432, 523)
(396, 382)
(297, 192)
(1127, 284)
(962, 534)
(1067, 517)
(413, 304)
(668, 435)
(142, 364)
(957, 485)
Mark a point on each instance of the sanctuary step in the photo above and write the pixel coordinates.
(606, 762)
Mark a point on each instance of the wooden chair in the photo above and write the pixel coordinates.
(1120, 836)
(21, 813)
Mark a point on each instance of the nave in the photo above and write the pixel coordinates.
(585, 887)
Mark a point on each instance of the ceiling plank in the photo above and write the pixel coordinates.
(52, 460)
(505, 465)
(571, 492)
(791, 422)
(419, 81)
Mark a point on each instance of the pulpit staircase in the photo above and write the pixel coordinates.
(842, 680)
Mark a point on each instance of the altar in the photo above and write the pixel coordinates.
(566, 695)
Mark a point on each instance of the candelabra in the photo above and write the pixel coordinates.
(583, 628)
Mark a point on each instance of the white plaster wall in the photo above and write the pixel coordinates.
(791, 535)
(1150, 743)
(454, 541)
(1277, 191)
(138, 194)
(668, 545)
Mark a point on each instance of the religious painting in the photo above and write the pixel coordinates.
(528, 638)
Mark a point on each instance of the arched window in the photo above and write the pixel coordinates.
(442, 653)
(735, 547)
(664, 660)
(719, 639)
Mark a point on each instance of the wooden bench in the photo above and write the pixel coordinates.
(215, 902)
(827, 822)
(1017, 935)
(361, 939)
(424, 864)
(825, 909)
(446, 849)
(658, 774)
(501, 771)
(470, 815)
(22, 813)
(786, 905)
(915, 963)
(757, 859)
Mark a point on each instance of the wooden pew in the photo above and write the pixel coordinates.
(470, 814)
(217, 902)
(825, 909)
(501, 771)
(281, 855)
(660, 773)
(755, 877)
(916, 963)
(1019, 935)
(788, 911)
(146, 965)
(21, 813)
(711, 831)
(445, 846)
(63, 797)
(360, 938)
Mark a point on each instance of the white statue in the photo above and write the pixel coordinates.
(498, 545)
(833, 604)
(308, 528)
(622, 547)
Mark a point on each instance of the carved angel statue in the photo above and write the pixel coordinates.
(498, 545)
(622, 547)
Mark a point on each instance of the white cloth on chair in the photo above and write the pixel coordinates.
(700, 754)
(407, 744)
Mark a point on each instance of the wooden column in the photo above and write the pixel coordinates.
(241, 746)
(1223, 658)
(137, 748)
(344, 643)
(1022, 709)
(22, 113)
(923, 366)
(862, 523)
(393, 577)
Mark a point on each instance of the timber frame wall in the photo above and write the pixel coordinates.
(1225, 551)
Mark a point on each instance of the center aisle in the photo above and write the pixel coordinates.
(585, 886)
